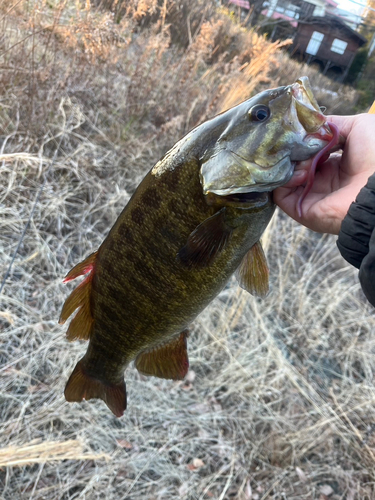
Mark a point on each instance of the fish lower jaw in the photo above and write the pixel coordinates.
(309, 146)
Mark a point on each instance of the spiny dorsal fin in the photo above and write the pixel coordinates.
(81, 386)
(167, 361)
(206, 241)
(81, 325)
(252, 274)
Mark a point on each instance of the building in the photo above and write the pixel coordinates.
(329, 43)
(352, 19)
(322, 34)
(297, 10)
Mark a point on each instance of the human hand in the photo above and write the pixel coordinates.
(337, 181)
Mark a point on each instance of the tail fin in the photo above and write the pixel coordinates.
(82, 324)
(81, 386)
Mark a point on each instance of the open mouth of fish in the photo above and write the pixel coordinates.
(309, 114)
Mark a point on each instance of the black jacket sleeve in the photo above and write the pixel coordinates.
(356, 240)
(367, 272)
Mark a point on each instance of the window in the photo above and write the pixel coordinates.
(288, 8)
(319, 11)
(338, 46)
(292, 11)
(314, 43)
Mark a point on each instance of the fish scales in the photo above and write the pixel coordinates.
(147, 280)
(194, 220)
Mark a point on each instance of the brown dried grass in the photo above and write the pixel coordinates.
(46, 451)
(279, 399)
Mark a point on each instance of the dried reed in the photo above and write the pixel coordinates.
(46, 451)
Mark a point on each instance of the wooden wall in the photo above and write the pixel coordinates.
(303, 35)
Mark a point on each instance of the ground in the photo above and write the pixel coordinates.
(279, 399)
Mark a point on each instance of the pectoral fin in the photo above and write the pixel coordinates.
(168, 361)
(252, 274)
(206, 241)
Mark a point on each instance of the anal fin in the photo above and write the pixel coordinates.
(253, 273)
(206, 241)
(167, 361)
(81, 386)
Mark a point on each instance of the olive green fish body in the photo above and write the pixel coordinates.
(195, 219)
(142, 293)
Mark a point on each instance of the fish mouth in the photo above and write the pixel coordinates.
(315, 132)
(308, 111)
(307, 108)
(322, 138)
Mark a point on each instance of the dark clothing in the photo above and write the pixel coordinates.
(356, 240)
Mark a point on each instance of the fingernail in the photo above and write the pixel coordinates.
(299, 174)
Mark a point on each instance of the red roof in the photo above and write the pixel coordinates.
(241, 3)
(332, 2)
(278, 15)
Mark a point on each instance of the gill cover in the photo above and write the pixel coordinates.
(263, 139)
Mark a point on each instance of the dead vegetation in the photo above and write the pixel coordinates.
(279, 399)
(45, 451)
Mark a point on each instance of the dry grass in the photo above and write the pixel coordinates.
(45, 451)
(279, 399)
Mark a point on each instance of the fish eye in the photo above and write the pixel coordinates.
(259, 113)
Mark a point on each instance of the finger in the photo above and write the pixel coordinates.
(299, 177)
(286, 199)
(344, 123)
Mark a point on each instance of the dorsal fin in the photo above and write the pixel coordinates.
(167, 361)
(81, 268)
(81, 325)
(252, 274)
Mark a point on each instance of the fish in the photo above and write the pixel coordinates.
(194, 220)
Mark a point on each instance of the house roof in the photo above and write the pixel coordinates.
(241, 3)
(278, 15)
(323, 2)
(334, 20)
(332, 2)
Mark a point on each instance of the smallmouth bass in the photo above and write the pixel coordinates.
(194, 220)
